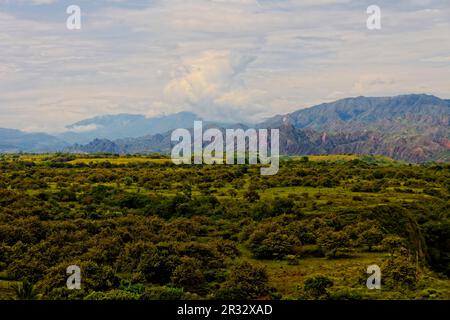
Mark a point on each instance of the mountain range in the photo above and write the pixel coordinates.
(414, 128)
(125, 126)
(13, 141)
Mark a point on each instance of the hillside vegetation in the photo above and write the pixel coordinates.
(143, 228)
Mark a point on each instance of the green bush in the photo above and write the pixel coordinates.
(189, 275)
(245, 281)
(316, 287)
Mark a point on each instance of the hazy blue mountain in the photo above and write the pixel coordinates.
(12, 140)
(125, 126)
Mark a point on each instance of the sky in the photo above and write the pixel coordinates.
(227, 60)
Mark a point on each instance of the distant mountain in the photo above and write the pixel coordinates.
(96, 146)
(410, 127)
(400, 146)
(413, 128)
(361, 113)
(158, 143)
(125, 126)
(12, 140)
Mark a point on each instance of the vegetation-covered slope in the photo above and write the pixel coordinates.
(142, 228)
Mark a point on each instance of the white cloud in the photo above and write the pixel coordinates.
(85, 128)
(369, 83)
(225, 59)
(207, 76)
(211, 84)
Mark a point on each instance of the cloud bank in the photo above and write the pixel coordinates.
(230, 60)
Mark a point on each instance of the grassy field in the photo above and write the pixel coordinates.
(342, 157)
(119, 160)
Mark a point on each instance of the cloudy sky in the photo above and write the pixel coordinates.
(235, 60)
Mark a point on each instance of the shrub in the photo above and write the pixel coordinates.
(371, 237)
(399, 271)
(335, 244)
(316, 287)
(271, 241)
(393, 243)
(245, 281)
(158, 264)
(251, 196)
(188, 275)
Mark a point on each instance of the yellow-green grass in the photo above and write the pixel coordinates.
(334, 157)
(36, 158)
(339, 157)
(119, 160)
(6, 289)
(288, 279)
(348, 275)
